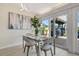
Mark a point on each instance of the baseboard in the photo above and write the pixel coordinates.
(8, 46)
(12, 45)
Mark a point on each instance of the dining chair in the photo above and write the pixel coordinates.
(28, 43)
(47, 45)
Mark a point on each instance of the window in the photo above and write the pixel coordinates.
(61, 25)
(77, 21)
(45, 30)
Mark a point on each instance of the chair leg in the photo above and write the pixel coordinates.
(51, 51)
(23, 43)
(28, 50)
(24, 48)
(45, 53)
(37, 50)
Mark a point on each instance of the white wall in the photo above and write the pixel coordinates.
(10, 37)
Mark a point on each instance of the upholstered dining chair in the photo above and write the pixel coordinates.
(28, 43)
(47, 45)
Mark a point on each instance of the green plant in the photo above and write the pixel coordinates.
(35, 24)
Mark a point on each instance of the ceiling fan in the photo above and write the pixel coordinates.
(23, 8)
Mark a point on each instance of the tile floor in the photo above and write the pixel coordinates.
(18, 51)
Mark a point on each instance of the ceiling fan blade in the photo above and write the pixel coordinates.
(22, 5)
(22, 8)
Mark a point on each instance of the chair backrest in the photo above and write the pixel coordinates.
(48, 41)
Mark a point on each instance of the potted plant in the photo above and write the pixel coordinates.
(35, 24)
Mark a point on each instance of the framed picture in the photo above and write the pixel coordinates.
(17, 21)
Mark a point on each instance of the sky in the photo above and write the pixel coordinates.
(63, 17)
(45, 22)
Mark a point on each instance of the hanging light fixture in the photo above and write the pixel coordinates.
(24, 8)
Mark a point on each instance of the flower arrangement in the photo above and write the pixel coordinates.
(35, 24)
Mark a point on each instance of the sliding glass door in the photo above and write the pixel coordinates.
(77, 29)
(61, 26)
(61, 30)
(77, 25)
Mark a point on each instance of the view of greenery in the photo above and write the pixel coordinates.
(44, 27)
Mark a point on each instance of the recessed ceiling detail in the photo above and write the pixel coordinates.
(40, 8)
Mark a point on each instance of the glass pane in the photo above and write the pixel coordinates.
(52, 28)
(77, 21)
(61, 26)
(45, 30)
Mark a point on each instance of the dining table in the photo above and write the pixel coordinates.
(39, 41)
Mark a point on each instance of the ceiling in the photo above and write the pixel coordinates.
(40, 8)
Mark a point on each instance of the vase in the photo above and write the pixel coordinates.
(36, 31)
